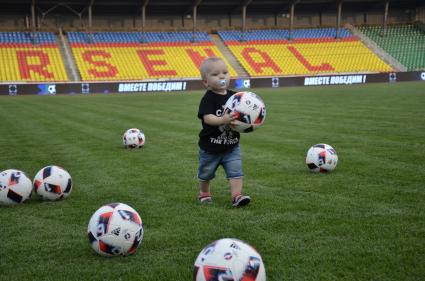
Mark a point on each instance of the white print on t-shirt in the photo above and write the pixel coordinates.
(226, 137)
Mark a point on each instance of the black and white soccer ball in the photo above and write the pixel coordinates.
(53, 183)
(321, 158)
(229, 259)
(134, 138)
(15, 187)
(115, 229)
(250, 111)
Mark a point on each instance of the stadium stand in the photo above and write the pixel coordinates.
(406, 43)
(30, 58)
(311, 51)
(262, 52)
(137, 56)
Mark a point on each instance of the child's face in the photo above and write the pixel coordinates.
(217, 76)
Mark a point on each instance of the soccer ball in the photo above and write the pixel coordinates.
(15, 187)
(229, 259)
(133, 138)
(250, 111)
(115, 229)
(52, 183)
(321, 158)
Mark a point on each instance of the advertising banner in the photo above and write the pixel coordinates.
(128, 87)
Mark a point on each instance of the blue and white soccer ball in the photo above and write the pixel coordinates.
(133, 138)
(53, 183)
(229, 259)
(321, 158)
(250, 111)
(15, 187)
(115, 229)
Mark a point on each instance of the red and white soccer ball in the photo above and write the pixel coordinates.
(115, 229)
(15, 187)
(53, 183)
(250, 110)
(321, 158)
(133, 138)
(229, 259)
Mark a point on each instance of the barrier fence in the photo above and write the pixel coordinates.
(72, 88)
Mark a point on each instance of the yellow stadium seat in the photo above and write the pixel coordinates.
(307, 58)
(31, 63)
(131, 62)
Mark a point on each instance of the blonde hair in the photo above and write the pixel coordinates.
(205, 65)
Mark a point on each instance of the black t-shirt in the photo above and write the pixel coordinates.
(215, 139)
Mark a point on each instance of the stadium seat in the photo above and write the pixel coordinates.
(137, 56)
(30, 58)
(405, 43)
(311, 51)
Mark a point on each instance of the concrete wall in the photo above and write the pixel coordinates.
(420, 13)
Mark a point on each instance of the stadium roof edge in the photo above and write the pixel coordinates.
(181, 7)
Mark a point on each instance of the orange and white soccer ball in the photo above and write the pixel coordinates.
(133, 138)
(53, 183)
(250, 111)
(15, 187)
(115, 229)
(321, 158)
(229, 259)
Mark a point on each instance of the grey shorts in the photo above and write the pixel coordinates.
(230, 160)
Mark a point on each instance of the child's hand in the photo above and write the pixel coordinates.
(229, 117)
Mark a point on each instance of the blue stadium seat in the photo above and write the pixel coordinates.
(25, 37)
(282, 34)
(136, 37)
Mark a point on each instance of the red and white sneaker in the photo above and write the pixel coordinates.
(205, 199)
(241, 200)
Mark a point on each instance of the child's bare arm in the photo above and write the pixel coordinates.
(213, 120)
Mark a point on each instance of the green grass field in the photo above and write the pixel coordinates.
(364, 221)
